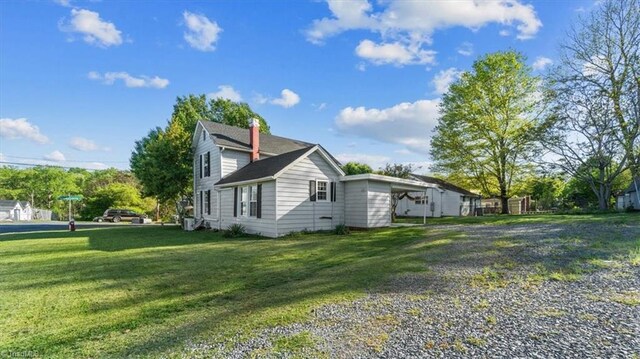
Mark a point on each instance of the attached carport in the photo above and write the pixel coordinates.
(368, 198)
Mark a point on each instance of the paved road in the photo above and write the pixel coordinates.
(6, 228)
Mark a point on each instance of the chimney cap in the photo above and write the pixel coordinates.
(254, 123)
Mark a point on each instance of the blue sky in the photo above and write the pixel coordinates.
(81, 81)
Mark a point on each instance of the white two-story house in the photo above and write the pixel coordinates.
(274, 185)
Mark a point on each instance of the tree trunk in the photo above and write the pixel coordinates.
(603, 199)
(505, 203)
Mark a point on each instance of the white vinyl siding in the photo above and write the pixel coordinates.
(379, 205)
(296, 212)
(356, 204)
(204, 145)
(266, 225)
(368, 204)
(233, 160)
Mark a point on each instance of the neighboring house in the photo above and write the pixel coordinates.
(629, 198)
(10, 210)
(442, 199)
(274, 185)
(27, 212)
(517, 205)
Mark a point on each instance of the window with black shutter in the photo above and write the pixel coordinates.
(207, 201)
(259, 209)
(207, 164)
(235, 201)
(200, 166)
(200, 204)
(333, 191)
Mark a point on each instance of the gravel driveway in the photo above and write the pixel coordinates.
(516, 291)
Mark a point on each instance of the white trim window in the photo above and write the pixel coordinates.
(421, 200)
(253, 201)
(244, 196)
(249, 201)
(322, 191)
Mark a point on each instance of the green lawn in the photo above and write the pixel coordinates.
(144, 291)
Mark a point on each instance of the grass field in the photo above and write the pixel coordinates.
(145, 291)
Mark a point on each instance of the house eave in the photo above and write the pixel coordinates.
(240, 183)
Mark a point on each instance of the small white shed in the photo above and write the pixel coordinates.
(10, 210)
(368, 198)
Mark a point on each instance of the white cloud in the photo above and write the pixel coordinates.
(94, 30)
(361, 67)
(226, 92)
(109, 78)
(85, 145)
(287, 99)
(443, 79)
(321, 106)
(504, 32)
(541, 62)
(21, 128)
(408, 124)
(465, 49)
(394, 53)
(202, 33)
(55, 156)
(65, 3)
(375, 161)
(96, 166)
(405, 27)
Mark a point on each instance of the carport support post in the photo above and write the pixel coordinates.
(424, 204)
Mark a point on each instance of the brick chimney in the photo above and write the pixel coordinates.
(254, 139)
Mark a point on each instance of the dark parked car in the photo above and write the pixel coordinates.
(116, 215)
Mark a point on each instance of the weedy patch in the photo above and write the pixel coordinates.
(483, 304)
(587, 316)
(491, 320)
(459, 347)
(429, 344)
(490, 278)
(504, 244)
(294, 344)
(377, 341)
(418, 297)
(475, 341)
(414, 312)
(630, 298)
(386, 320)
(634, 257)
(552, 312)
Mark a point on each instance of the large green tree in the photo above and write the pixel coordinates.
(488, 124)
(355, 168)
(163, 160)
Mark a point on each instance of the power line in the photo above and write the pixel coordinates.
(82, 161)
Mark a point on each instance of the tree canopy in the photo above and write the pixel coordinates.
(355, 168)
(489, 123)
(172, 144)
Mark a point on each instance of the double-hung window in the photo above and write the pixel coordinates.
(244, 196)
(207, 164)
(253, 201)
(322, 190)
(207, 202)
(421, 200)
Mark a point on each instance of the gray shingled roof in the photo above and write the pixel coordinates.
(444, 184)
(8, 203)
(264, 168)
(236, 137)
